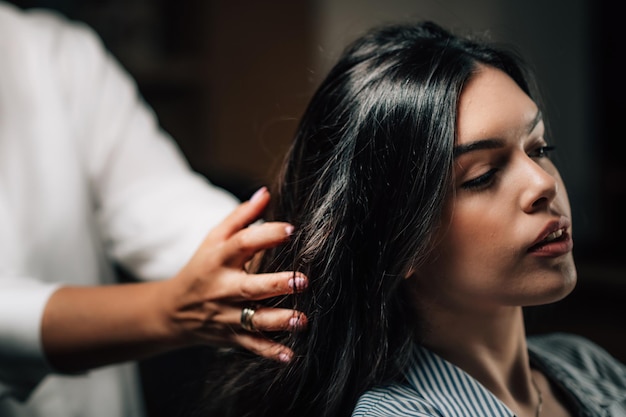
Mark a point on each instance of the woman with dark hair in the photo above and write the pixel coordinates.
(427, 214)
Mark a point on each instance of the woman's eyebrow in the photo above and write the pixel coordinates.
(477, 146)
(536, 120)
(492, 143)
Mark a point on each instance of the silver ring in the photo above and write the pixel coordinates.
(246, 319)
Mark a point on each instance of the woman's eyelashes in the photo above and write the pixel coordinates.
(481, 182)
(541, 152)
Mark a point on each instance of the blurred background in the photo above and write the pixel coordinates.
(229, 80)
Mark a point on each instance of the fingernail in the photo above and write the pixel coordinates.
(297, 283)
(289, 230)
(284, 357)
(295, 323)
(258, 194)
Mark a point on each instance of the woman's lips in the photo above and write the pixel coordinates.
(554, 240)
(560, 245)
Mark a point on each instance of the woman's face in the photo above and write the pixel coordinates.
(506, 237)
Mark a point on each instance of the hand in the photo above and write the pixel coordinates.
(209, 293)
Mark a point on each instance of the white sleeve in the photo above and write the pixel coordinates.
(153, 210)
(20, 337)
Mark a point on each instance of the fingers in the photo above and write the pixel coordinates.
(238, 242)
(262, 286)
(278, 319)
(241, 247)
(264, 347)
(240, 286)
(222, 257)
(267, 319)
(245, 214)
(263, 319)
(271, 319)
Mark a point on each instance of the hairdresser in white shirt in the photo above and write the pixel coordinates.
(88, 179)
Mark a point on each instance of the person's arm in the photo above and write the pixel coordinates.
(88, 327)
(153, 212)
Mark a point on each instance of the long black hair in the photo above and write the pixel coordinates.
(364, 184)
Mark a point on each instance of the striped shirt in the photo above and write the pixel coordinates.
(594, 384)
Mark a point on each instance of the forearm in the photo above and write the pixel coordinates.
(88, 327)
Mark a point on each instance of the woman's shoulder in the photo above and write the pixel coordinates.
(577, 356)
(568, 346)
(396, 400)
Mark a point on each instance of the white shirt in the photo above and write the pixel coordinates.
(86, 177)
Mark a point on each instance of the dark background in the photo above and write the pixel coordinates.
(229, 79)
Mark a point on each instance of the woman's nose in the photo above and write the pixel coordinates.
(540, 187)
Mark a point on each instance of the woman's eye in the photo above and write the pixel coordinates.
(541, 152)
(481, 182)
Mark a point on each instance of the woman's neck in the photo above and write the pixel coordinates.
(491, 347)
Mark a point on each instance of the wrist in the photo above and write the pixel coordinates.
(173, 314)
